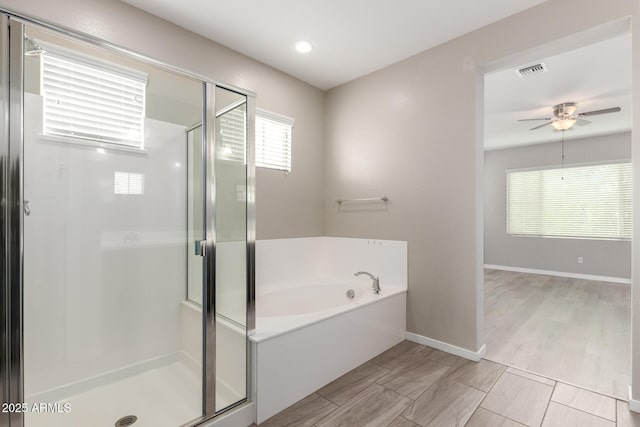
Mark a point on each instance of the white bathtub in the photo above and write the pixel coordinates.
(308, 331)
(280, 311)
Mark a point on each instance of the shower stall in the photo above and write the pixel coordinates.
(127, 233)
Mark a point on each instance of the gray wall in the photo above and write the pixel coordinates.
(412, 131)
(287, 206)
(601, 257)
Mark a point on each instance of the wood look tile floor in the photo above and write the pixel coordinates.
(412, 385)
(576, 331)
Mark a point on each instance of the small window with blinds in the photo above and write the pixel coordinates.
(87, 99)
(273, 141)
(232, 130)
(128, 183)
(592, 202)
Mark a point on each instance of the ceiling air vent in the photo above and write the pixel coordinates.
(531, 70)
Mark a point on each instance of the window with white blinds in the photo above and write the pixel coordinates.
(273, 141)
(575, 202)
(232, 129)
(92, 100)
(128, 183)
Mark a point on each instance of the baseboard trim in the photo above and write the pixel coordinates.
(560, 274)
(634, 405)
(448, 348)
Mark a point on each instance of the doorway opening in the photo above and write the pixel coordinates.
(557, 210)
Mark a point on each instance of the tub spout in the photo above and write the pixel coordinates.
(376, 281)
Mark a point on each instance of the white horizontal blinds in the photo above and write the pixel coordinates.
(128, 183)
(524, 202)
(232, 130)
(273, 141)
(583, 201)
(92, 101)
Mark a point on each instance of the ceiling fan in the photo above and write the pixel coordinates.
(566, 117)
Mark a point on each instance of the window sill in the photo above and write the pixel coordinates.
(611, 239)
(93, 143)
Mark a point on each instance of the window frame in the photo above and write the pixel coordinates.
(282, 121)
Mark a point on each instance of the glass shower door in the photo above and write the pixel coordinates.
(223, 184)
(230, 219)
(109, 336)
(128, 211)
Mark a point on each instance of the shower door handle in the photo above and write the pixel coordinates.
(200, 247)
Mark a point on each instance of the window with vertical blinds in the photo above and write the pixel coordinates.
(92, 100)
(273, 141)
(574, 202)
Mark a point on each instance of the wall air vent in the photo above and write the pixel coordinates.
(531, 70)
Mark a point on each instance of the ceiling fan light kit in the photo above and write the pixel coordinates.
(566, 117)
(563, 124)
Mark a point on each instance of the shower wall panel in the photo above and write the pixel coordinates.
(105, 248)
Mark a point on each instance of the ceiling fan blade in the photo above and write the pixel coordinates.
(530, 120)
(582, 122)
(596, 112)
(542, 125)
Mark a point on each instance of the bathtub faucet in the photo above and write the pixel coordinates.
(376, 281)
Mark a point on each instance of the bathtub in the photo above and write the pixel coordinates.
(280, 311)
(308, 331)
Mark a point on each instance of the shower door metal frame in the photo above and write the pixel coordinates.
(209, 288)
(15, 216)
(251, 226)
(12, 215)
(210, 133)
(4, 160)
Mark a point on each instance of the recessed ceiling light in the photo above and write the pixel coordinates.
(303, 46)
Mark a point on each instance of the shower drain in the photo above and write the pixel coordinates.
(126, 421)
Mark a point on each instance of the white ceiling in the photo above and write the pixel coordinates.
(595, 77)
(352, 37)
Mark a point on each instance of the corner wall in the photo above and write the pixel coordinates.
(408, 131)
(287, 206)
(611, 258)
